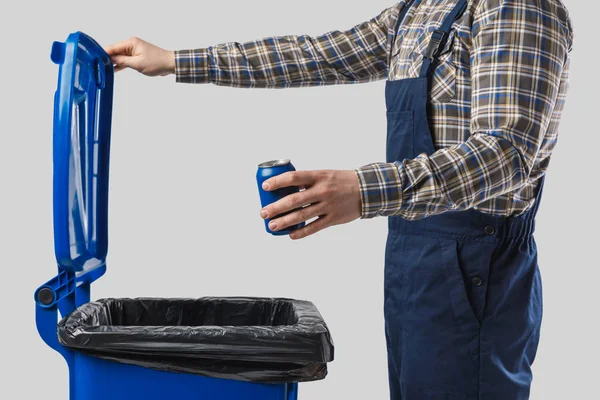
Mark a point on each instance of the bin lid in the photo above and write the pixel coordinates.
(81, 146)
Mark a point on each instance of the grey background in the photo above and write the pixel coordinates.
(184, 207)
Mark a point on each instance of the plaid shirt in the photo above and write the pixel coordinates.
(496, 100)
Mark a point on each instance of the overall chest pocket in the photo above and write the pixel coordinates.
(443, 83)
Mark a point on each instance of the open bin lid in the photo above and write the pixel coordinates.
(82, 122)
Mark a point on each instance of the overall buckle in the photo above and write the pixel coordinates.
(436, 44)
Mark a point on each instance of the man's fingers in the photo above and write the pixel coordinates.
(296, 217)
(289, 203)
(122, 48)
(293, 178)
(317, 225)
(122, 62)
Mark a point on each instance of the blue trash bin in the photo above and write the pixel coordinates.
(150, 349)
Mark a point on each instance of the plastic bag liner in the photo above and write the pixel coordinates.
(249, 339)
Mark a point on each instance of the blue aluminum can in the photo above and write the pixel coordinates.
(268, 170)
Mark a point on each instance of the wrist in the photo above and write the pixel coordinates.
(357, 192)
(360, 192)
(169, 62)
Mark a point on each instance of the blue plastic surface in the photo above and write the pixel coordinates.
(82, 122)
(81, 145)
(97, 379)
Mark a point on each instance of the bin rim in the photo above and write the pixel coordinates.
(308, 340)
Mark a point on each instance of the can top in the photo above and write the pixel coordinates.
(274, 163)
(82, 120)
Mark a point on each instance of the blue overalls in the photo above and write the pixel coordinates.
(463, 294)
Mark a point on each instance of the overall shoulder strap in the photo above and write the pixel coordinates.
(440, 37)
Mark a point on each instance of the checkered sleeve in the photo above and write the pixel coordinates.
(353, 56)
(518, 53)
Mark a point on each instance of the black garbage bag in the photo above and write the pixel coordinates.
(249, 339)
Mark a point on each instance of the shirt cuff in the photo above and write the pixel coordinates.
(191, 66)
(380, 189)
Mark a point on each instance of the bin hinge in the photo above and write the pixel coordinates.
(63, 285)
(65, 292)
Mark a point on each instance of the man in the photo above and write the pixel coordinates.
(474, 96)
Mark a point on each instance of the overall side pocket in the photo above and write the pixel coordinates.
(463, 310)
(463, 304)
(438, 354)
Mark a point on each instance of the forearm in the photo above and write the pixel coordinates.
(353, 56)
(455, 178)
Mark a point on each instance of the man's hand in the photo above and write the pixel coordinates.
(142, 56)
(332, 196)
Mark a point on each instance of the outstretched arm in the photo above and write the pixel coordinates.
(519, 60)
(353, 56)
(356, 55)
